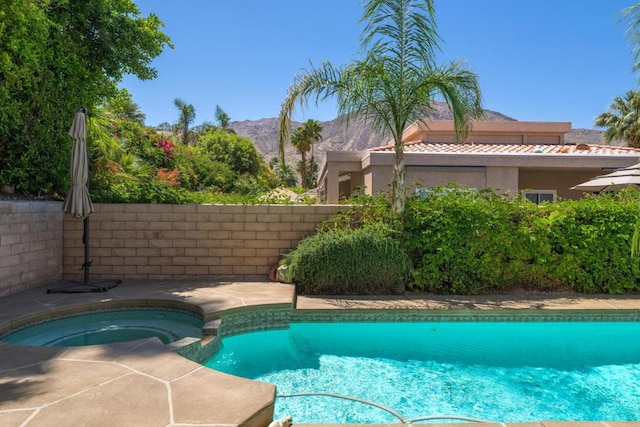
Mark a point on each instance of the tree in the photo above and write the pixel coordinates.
(622, 120)
(303, 139)
(310, 170)
(396, 81)
(236, 151)
(56, 57)
(223, 119)
(185, 119)
(285, 175)
(632, 16)
(123, 107)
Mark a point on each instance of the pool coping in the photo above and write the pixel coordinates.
(141, 383)
(104, 385)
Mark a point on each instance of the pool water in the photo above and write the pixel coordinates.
(495, 371)
(106, 327)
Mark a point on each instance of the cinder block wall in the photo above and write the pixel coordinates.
(145, 241)
(30, 244)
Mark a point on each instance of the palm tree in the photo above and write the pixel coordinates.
(186, 118)
(223, 119)
(622, 120)
(123, 107)
(396, 81)
(313, 132)
(303, 139)
(299, 141)
(632, 16)
(285, 174)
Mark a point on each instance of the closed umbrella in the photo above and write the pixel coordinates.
(621, 178)
(78, 203)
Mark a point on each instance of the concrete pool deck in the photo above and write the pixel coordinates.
(142, 383)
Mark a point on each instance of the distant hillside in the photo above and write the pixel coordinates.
(589, 136)
(337, 136)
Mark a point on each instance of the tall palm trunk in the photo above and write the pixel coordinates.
(398, 193)
(303, 169)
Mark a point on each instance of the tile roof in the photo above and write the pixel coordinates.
(469, 148)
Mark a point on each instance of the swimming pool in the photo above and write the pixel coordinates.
(106, 327)
(496, 371)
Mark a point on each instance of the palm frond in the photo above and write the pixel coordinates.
(632, 16)
(312, 84)
(403, 29)
(394, 83)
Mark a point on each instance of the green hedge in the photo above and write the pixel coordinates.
(349, 262)
(466, 243)
(590, 245)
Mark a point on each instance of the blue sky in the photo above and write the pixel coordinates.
(537, 60)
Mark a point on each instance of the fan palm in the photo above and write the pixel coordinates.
(395, 83)
(313, 132)
(303, 139)
(123, 107)
(623, 119)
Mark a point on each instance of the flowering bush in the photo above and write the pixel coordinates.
(168, 177)
(167, 146)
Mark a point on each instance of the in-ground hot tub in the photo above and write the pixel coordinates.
(109, 326)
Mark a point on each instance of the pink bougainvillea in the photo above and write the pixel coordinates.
(167, 146)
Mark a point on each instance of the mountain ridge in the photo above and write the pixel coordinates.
(337, 136)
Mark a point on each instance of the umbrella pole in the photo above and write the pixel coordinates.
(86, 285)
(80, 178)
(85, 240)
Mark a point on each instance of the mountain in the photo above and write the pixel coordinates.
(337, 136)
(590, 136)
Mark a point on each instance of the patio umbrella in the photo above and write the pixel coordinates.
(621, 178)
(78, 203)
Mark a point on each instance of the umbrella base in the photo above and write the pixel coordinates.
(75, 287)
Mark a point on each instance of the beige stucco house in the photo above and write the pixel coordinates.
(507, 156)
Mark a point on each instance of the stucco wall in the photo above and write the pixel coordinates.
(140, 241)
(435, 176)
(30, 244)
(559, 180)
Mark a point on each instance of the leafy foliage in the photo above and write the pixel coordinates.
(622, 121)
(349, 262)
(471, 244)
(56, 57)
(462, 242)
(133, 163)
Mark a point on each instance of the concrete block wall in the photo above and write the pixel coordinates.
(146, 241)
(30, 244)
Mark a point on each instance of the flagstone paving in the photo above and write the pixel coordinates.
(143, 383)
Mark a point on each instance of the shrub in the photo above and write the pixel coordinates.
(462, 242)
(590, 244)
(349, 262)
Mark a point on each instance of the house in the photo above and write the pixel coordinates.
(507, 156)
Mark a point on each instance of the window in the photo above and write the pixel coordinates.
(539, 196)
